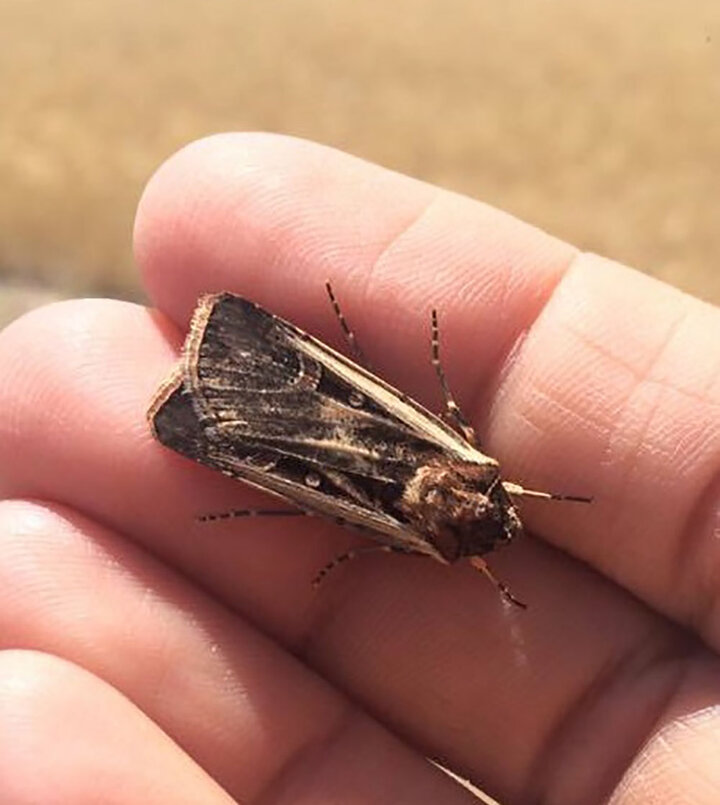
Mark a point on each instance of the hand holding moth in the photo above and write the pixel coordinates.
(193, 659)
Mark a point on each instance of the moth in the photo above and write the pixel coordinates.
(260, 400)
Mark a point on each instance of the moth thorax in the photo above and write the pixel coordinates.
(461, 507)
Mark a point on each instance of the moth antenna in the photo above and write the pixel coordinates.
(520, 491)
(355, 349)
(233, 513)
(502, 588)
(345, 557)
(452, 409)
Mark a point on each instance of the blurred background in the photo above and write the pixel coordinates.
(598, 122)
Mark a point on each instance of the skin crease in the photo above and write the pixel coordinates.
(203, 647)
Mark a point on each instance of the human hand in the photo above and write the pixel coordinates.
(163, 660)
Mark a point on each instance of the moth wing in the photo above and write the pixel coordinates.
(259, 399)
(175, 424)
(255, 374)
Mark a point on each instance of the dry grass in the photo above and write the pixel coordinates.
(598, 122)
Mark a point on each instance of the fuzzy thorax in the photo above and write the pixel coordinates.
(461, 507)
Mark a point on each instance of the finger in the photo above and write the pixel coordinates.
(273, 218)
(611, 391)
(248, 713)
(66, 736)
(427, 649)
(679, 762)
(79, 378)
(616, 387)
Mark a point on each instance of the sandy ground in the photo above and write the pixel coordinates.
(597, 122)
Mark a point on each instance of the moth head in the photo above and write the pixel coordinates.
(461, 507)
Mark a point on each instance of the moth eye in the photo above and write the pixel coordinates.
(313, 479)
(356, 399)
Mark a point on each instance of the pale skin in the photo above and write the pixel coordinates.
(151, 658)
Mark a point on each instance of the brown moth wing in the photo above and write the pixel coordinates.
(249, 368)
(259, 399)
(175, 424)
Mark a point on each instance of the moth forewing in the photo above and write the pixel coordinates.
(183, 395)
(405, 408)
(414, 415)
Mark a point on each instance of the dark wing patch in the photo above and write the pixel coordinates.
(177, 426)
(258, 386)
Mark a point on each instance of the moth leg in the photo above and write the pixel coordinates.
(357, 353)
(344, 557)
(452, 409)
(503, 589)
(233, 513)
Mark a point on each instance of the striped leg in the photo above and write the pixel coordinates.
(345, 557)
(234, 513)
(452, 410)
(357, 353)
(502, 588)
